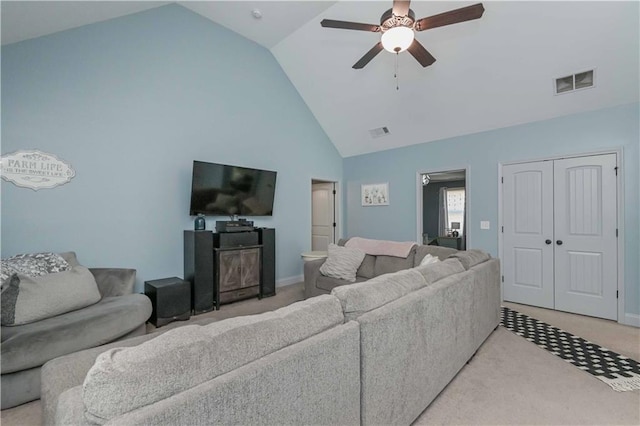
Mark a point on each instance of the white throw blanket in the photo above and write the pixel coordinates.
(381, 247)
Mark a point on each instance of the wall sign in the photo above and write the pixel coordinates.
(35, 169)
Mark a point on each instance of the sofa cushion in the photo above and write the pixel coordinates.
(124, 379)
(70, 370)
(470, 258)
(436, 271)
(31, 345)
(356, 299)
(366, 269)
(32, 264)
(28, 299)
(389, 264)
(342, 262)
(327, 283)
(441, 252)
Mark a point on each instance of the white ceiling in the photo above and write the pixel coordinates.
(489, 73)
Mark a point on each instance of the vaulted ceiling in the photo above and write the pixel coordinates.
(492, 72)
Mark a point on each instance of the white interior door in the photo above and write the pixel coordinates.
(322, 215)
(560, 248)
(528, 233)
(585, 220)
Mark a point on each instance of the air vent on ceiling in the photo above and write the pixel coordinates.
(379, 132)
(571, 83)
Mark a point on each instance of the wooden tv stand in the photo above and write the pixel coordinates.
(222, 267)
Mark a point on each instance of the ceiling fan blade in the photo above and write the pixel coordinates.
(401, 7)
(451, 17)
(418, 51)
(368, 56)
(344, 25)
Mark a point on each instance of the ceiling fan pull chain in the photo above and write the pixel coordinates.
(396, 73)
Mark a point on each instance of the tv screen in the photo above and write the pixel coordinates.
(219, 189)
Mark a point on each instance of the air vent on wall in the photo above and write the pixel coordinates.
(379, 132)
(571, 83)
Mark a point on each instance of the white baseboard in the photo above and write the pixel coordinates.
(290, 280)
(632, 319)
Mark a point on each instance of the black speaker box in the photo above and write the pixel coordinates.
(267, 237)
(198, 269)
(170, 298)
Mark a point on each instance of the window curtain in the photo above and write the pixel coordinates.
(463, 234)
(443, 217)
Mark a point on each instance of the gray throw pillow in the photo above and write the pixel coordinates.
(28, 299)
(342, 263)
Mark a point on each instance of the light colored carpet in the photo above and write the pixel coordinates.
(510, 381)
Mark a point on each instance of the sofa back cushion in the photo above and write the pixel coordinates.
(123, 379)
(437, 271)
(389, 264)
(373, 266)
(367, 267)
(440, 252)
(359, 298)
(470, 258)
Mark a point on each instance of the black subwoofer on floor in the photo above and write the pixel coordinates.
(267, 237)
(170, 298)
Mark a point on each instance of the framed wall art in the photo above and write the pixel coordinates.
(375, 194)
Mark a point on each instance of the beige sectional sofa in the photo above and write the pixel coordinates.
(372, 266)
(296, 365)
(418, 328)
(374, 352)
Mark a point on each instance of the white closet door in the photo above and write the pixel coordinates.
(528, 233)
(322, 211)
(585, 242)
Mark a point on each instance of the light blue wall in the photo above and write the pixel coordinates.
(130, 103)
(588, 132)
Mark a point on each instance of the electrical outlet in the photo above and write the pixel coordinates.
(484, 224)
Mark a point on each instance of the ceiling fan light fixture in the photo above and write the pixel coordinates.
(397, 39)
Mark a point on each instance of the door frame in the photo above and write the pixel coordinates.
(621, 317)
(337, 203)
(419, 201)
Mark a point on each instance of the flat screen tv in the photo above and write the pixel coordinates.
(220, 189)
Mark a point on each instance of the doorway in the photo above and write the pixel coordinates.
(443, 208)
(324, 214)
(560, 234)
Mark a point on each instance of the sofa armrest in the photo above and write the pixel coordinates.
(65, 372)
(114, 281)
(311, 274)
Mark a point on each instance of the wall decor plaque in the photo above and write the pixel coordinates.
(35, 169)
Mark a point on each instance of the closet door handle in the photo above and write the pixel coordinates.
(547, 241)
(559, 242)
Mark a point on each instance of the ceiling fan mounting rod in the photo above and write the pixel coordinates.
(390, 20)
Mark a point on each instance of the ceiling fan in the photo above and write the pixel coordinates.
(398, 26)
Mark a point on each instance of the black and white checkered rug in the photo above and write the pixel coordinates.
(619, 372)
